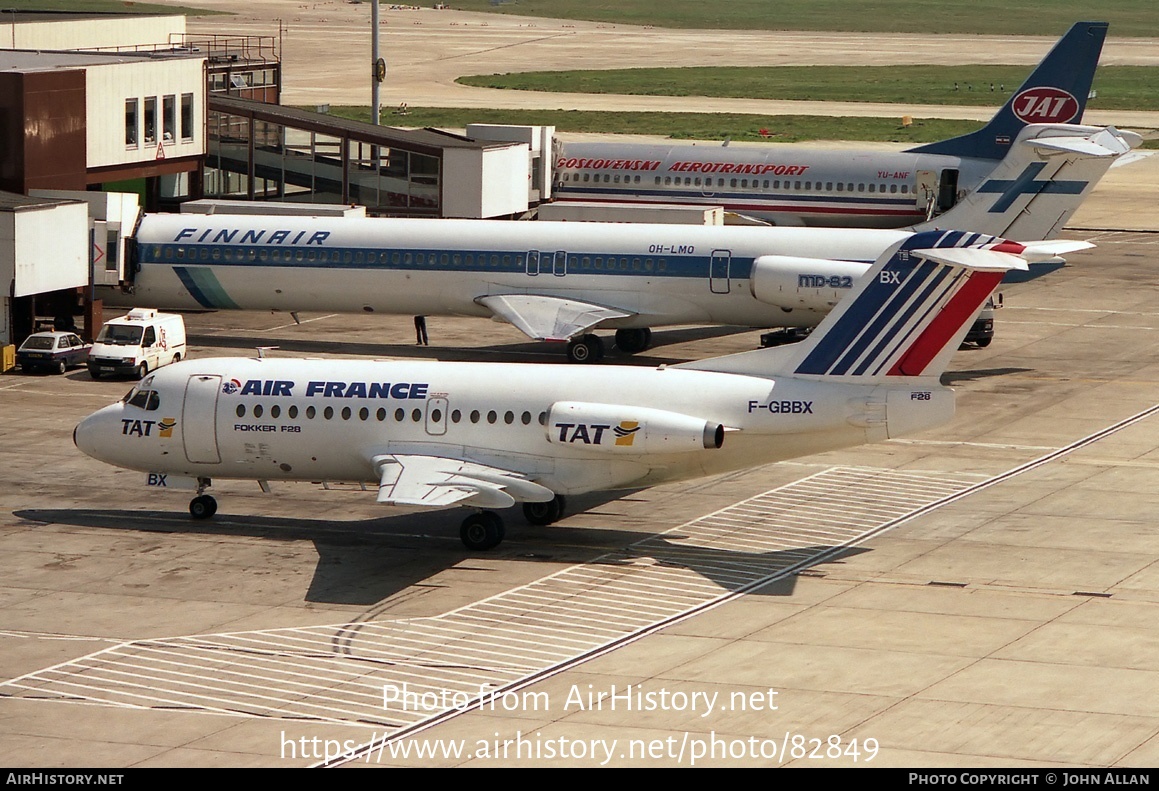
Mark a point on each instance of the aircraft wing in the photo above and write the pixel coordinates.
(438, 482)
(548, 318)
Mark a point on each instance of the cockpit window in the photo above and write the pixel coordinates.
(146, 399)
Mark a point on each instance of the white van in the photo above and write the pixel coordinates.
(137, 343)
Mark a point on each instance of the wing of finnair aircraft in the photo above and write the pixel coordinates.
(489, 435)
(548, 318)
(798, 185)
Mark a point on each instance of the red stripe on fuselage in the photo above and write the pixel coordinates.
(962, 305)
(793, 208)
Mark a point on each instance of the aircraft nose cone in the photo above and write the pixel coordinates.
(87, 434)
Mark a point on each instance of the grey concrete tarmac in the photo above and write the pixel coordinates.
(1014, 627)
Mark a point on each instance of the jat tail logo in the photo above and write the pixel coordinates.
(1045, 105)
(166, 426)
(231, 387)
(626, 432)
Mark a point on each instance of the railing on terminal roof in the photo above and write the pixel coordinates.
(253, 49)
(221, 47)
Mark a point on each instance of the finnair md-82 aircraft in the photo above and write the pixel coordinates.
(845, 188)
(489, 435)
(558, 281)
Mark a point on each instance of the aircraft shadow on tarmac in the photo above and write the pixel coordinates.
(365, 562)
(530, 351)
(951, 378)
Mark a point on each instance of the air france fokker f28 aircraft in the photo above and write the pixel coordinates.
(845, 188)
(558, 281)
(489, 435)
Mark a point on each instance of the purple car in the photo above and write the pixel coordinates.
(52, 351)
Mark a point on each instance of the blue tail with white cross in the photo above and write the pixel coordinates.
(1032, 193)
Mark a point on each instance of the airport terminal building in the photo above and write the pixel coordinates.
(133, 104)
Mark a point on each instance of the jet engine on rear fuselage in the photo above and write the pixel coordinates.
(796, 283)
(629, 429)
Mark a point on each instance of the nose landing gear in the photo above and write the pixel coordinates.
(203, 506)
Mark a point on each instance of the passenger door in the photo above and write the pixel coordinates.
(718, 271)
(199, 419)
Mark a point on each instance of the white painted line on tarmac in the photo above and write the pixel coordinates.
(502, 644)
(296, 323)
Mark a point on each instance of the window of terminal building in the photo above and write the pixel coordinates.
(187, 117)
(131, 123)
(169, 118)
(150, 120)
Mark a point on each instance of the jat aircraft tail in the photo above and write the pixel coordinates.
(1054, 93)
(904, 318)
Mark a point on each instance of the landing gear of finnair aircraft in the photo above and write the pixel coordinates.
(203, 506)
(482, 531)
(633, 341)
(545, 513)
(586, 349)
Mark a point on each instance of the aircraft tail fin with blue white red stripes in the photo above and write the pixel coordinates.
(909, 313)
(905, 317)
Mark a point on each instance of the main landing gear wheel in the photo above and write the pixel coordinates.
(545, 513)
(203, 506)
(633, 341)
(482, 531)
(588, 349)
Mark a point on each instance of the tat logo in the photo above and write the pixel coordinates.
(587, 433)
(1045, 105)
(144, 428)
(626, 432)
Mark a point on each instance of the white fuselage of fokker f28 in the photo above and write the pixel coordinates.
(490, 435)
